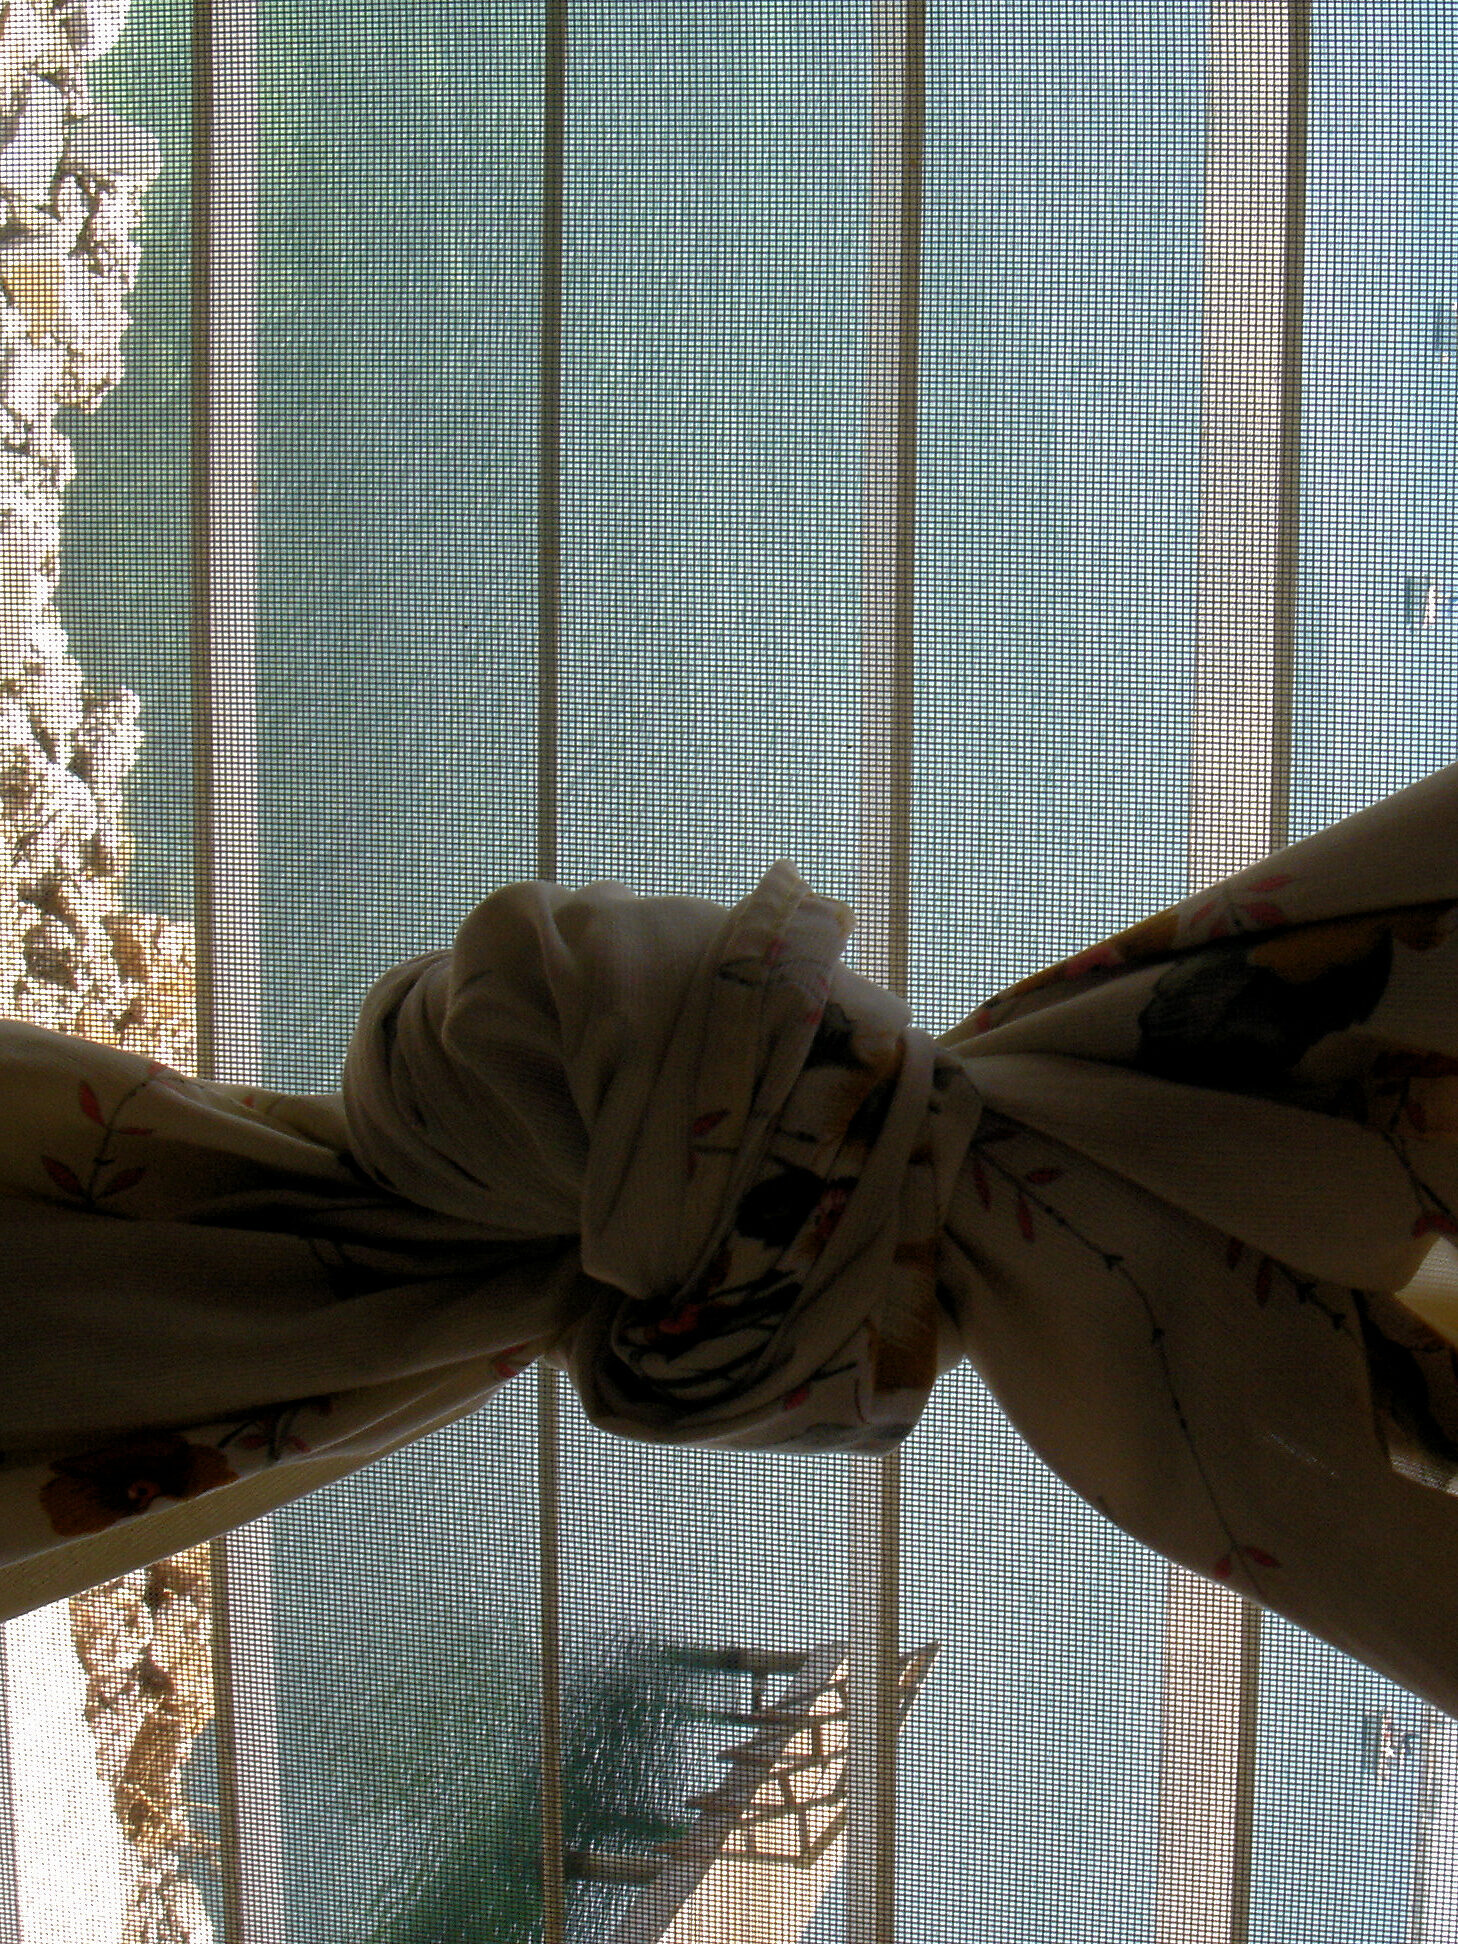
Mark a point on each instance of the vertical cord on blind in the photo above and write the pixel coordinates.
(223, 520)
(250, 1836)
(9, 1872)
(1283, 649)
(223, 495)
(1433, 1891)
(549, 435)
(1254, 226)
(549, 600)
(549, 1592)
(1298, 83)
(884, 884)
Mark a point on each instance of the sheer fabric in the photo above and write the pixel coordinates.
(1165, 1195)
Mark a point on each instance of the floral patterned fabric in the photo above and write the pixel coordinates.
(756, 1151)
(1185, 1199)
(1201, 1246)
(209, 1310)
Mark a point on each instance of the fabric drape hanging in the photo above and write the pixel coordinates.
(1165, 1196)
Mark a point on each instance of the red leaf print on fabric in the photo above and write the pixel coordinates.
(1265, 914)
(1257, 1555)
(128, 1178)
(706, 1123)
(828, 1211)
(62, 1176)
(677, 1321)
(1271, 883)
(512, 1362)
(1417, 1114)
(90, 1105)
(795, 1398)
(1039, 1175)
(1025, 1219)
(1433, 1221)
(1096, 959)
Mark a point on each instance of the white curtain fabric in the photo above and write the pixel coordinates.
(1165, 1195)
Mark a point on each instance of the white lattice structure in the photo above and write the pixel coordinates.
(770, 1839)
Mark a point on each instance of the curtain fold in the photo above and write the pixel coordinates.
(1176, 1197)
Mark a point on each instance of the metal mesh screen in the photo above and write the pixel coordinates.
(523, 1681)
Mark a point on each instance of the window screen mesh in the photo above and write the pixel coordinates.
(397, 339)
(383, 1782)
(126, 586)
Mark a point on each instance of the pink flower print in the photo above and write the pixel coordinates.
(1225, 1565)
(1097, 958)
(512, 1361)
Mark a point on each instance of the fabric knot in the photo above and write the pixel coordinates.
(744, 1135)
